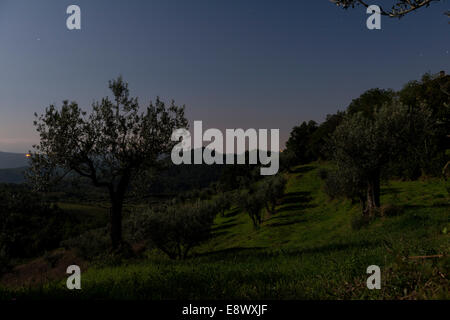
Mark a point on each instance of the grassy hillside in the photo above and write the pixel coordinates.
(308, 250)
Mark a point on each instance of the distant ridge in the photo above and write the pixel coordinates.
(12, 160)
(15, 175)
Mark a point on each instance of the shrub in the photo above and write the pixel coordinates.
(175, 230)
(28, 224)
(90, 244)
(253, 203)
(223, 202)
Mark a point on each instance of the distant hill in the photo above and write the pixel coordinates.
(12, 160)
(15, 175)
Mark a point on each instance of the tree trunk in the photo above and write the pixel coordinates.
(373, 193)
(116, 221)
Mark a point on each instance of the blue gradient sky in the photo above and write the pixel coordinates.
(234, 63)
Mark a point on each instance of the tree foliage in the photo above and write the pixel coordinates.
(398, 9)
(300, 142)
(253, 202)
(176, 229)
(273, 189)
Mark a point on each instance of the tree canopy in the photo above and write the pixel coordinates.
(398, 9)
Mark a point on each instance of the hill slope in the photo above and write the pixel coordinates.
(308, 250)
(12, 160)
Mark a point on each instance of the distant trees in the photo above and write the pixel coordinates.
(253, 202)
(397, 9)
(307, 141)
(300, 142)
(176, 229)
(29, 225)
(223, 202)
(111, 147)
(287, 160)
(371, 101)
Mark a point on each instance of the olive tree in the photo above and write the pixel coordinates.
(253, 203)
(363, 147)
(176, 229)
(111, 146)
(273, 188)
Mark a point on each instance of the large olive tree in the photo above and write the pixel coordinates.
(363, 147)
(112, 145)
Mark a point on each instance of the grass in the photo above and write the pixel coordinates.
(307, 250)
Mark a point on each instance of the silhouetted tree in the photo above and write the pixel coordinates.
(300, 142)
(364, 147)
(111, 146)
(176, 229)
(253, 203)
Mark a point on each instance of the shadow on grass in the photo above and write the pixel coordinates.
(232, 213)
(285, 222)
(224, 227)
(296, 197)
(303, 169)
(389, 190)
(420, 206)
(295, 201)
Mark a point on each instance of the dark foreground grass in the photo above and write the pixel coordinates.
(308, 250)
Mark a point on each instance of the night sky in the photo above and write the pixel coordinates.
(233, 63)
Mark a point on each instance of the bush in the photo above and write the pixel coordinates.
(90, 244)
(253, 203)
(175, 230)
(29, 225)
